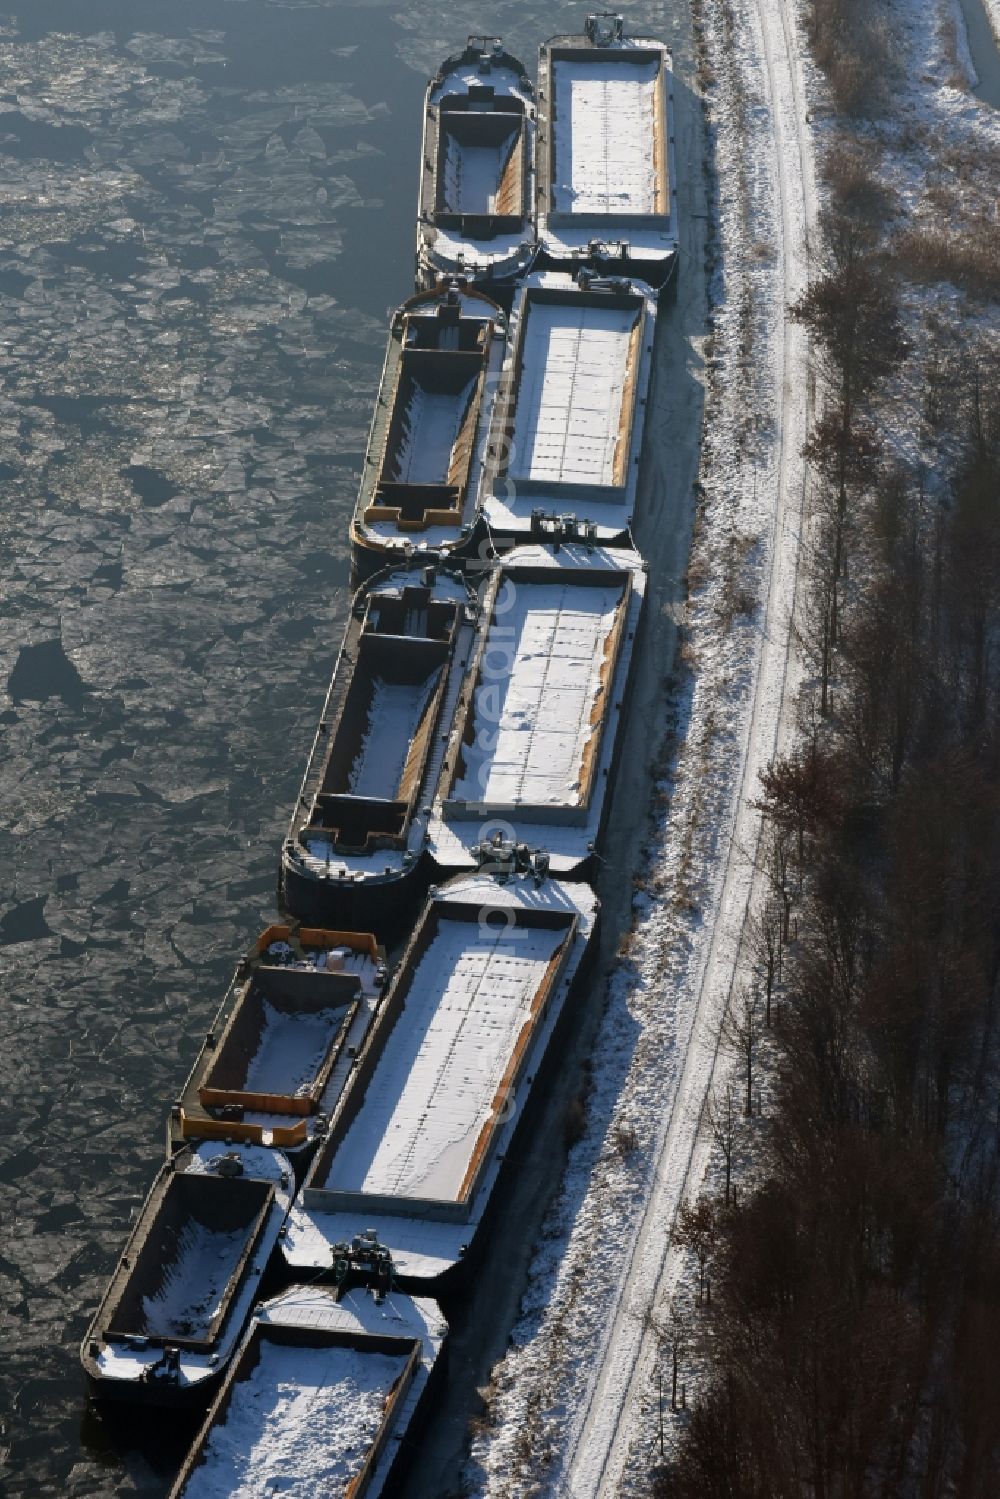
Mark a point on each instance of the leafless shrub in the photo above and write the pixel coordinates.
(624, 1140)
(964, 254)
(850, 42)
(855, 189)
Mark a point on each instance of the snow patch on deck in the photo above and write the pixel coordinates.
(302, 1424)
(568, 420)
(434, 1086)
(431, 429)
(533, 724)
(605, 137)
(393, 719)
(194, 1283)
(291, 1051)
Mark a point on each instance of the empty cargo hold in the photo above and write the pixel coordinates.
(481, 167)
(187, 1270)
(280, 1047)
(181, 1293)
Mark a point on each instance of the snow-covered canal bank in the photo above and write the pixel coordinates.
(566, 1409)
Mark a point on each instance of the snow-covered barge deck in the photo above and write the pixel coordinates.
(606, 193)
(568, 425)
(477, 177)
(420, 486)
(415, 1149)
(319, 1399)
(356, 848)
(536, 740)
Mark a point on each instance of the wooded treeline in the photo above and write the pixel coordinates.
(854, 1324)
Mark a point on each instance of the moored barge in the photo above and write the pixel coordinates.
(607, 193)
(323, 1398)
(355, 854)
(420, 487)
(455, 1059)
(180, 1297)
(535, 745)
(475, 216)
(283, 1042)
(568, 427)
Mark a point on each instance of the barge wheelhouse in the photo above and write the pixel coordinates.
(355, 854)
(607, 192)
(421, 485)
(477, 176)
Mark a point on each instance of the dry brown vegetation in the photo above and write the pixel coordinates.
(852, 1330)
(965, 253)
(850, 42)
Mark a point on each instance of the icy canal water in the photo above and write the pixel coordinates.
(206, 211)
(985, 50)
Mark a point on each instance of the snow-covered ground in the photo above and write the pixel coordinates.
(565, 1402)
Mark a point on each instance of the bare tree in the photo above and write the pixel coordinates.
(742, 1031)
(675, 1336)
(764, 939)
(779, 876)
(697, 1229)
(723, 1118)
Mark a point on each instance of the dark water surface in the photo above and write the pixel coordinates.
(985, 51)
(206, 211)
